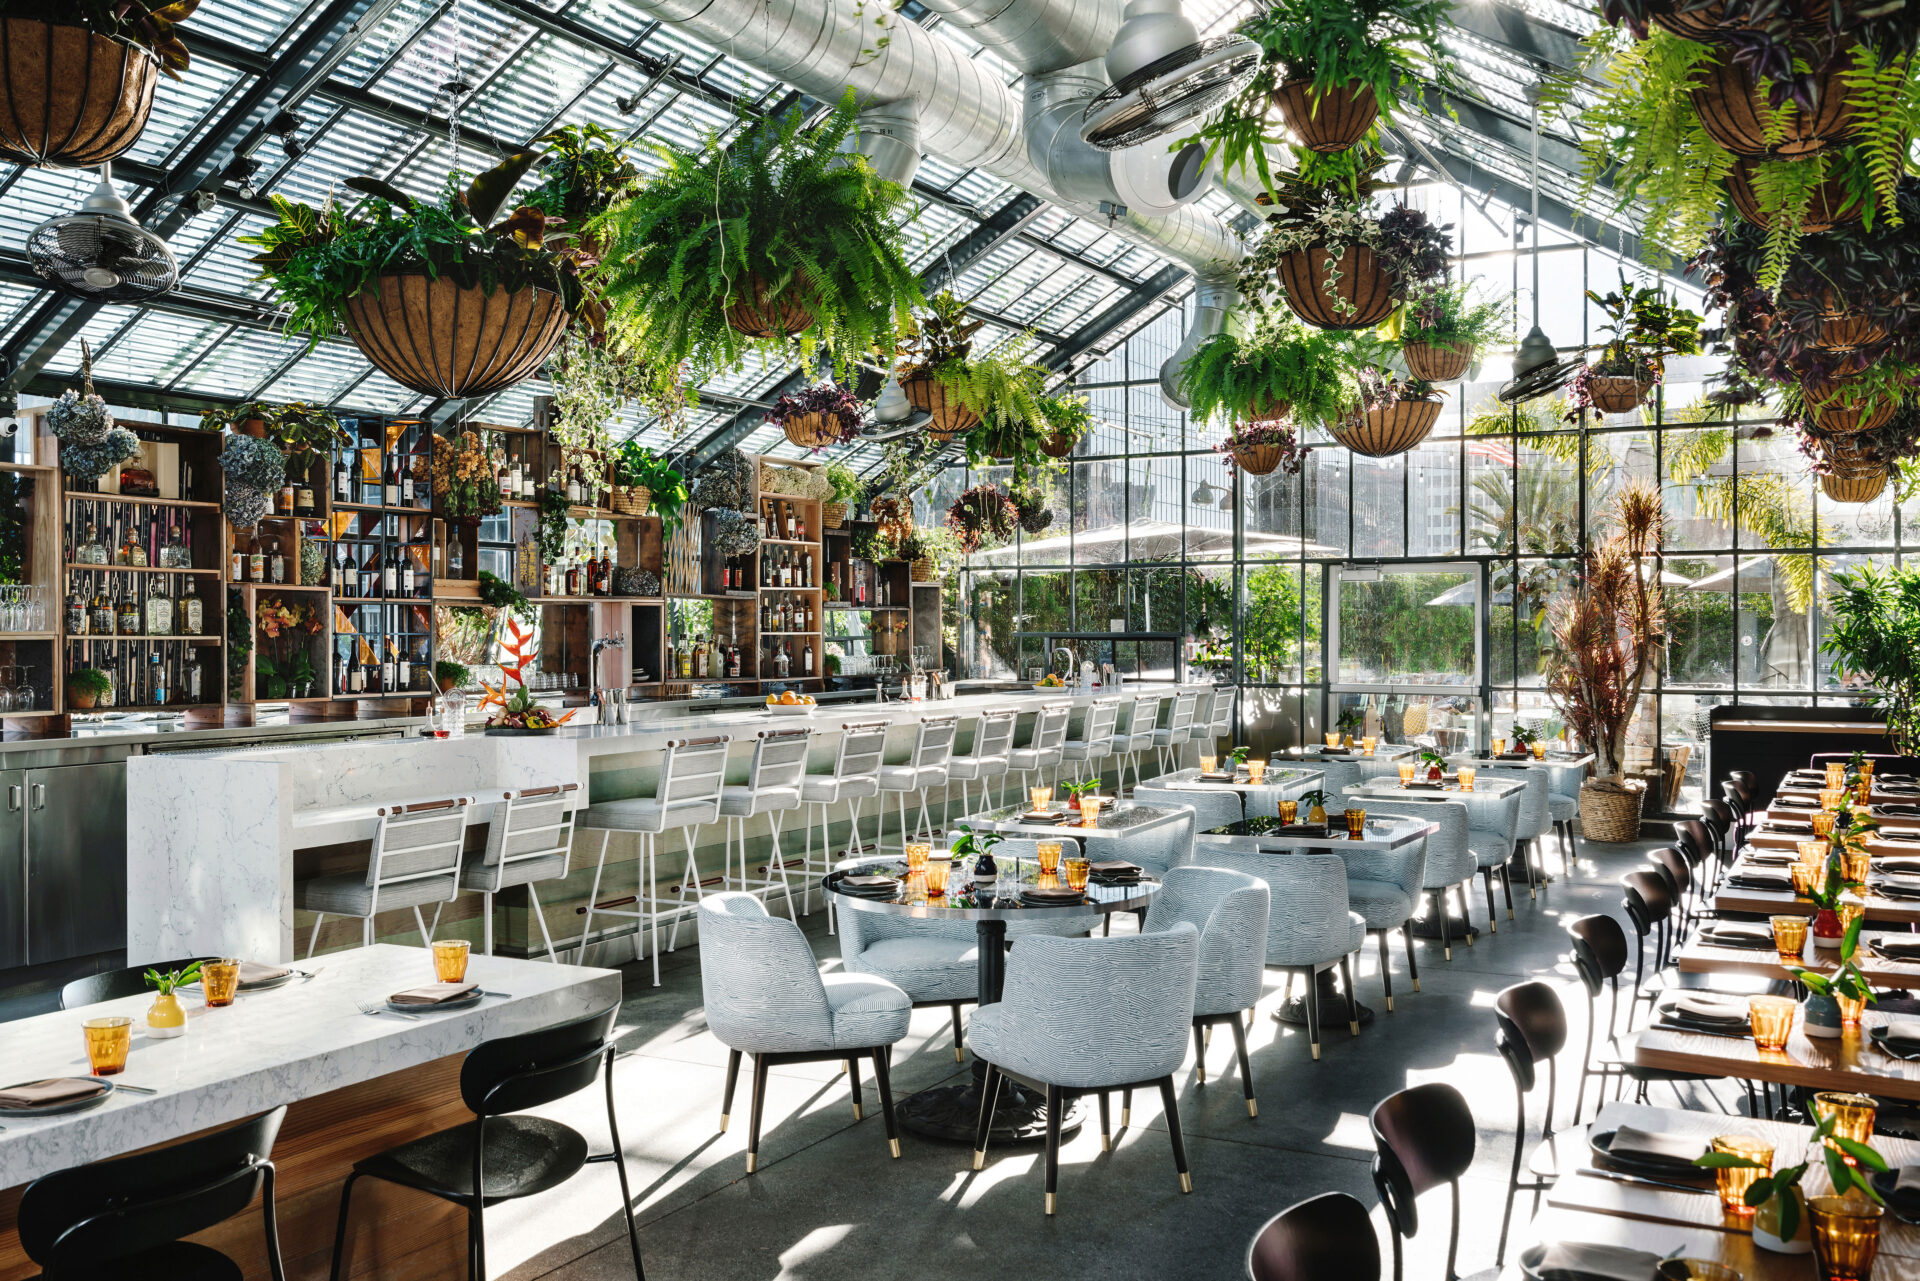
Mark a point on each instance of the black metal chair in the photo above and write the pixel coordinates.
(504, 1155)
(125, 1217)
(1422, 1137)
(114, 984)
(1530, 1027)
(1323, 1237)
(1649, 909)
(1599, 957)
(1676, 871)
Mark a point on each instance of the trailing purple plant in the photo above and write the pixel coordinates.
(1262, 435)
(830, 399)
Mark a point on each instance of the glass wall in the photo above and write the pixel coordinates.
(1226, 576)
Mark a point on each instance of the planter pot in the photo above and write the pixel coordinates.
(759, 316)
(921, 570)
(833, 515)
(1437, 362)
(950, 417)
(1826, 210)
(81, 702)
(1317, 814)
(446, 686)
(1258, 460)
(632, 500)
(1268, 411)
(1610, 812)
(255, 427)
(1827, 933)
(1766, 1227)
(1820, 1016)
(812, 431)
(70, 98)
(1733, 110)
(1393, 429)
(1361, 295)
(1059, 444)
(1705, 24)
(1844, 419)
(165, 1018)
(1843, 331)
(1329, 121)
(439, 339)
(1617, 394)
(1854, 489)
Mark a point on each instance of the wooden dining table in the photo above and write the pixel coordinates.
(1700, 957)
(1846, 1062)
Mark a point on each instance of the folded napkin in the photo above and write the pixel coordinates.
(1908, 1182)
(1711, 1008)
(1772, 858)
(47, 1093)
(1786, 825)
(1114, 867)
(1052, 894)
(1046, 816)
(1898, 811)
(1908, 838)
(1897, 863)
(871, 881)
(1738, 934)
(1904, 1031)
(1652, 1145)
(252, 972)
(1761, 878)
(1906, 882)
(1895, 948)
(436, 994)
(1580, 1261)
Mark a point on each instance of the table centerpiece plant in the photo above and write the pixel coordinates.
(984, 875)
(1315, 802)
(519, 713)
(1834, 1001)
(165, 1018)
(1081, 791)
(1436, 765)
(1780, 1220)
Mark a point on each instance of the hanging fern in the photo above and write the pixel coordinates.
(1885, 115)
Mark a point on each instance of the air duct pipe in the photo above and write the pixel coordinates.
(888, 135)
(1214, 294)
(1043, 36)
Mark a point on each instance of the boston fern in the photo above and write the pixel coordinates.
(780, 206)
(1446, 314)
(319, 258)
(1281, 362)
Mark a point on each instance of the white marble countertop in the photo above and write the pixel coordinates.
(1389, 789)
(270, 1048)
(1381, 834)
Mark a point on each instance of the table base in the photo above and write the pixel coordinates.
(1333, 1013)
(1459, 930)
(951, 1112)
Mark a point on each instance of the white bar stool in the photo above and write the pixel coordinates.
(772, 787)
(992, 737)
(1095, 743)
(1179, 731)
(415, 860)
(1042, 752)
(1131, 743)
(932, 750)
(530, 839)
(856, 775)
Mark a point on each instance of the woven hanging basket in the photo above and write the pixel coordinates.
(812, 431)
(1843, 331)
(632, 500)
(1389, 430)
(758, 316)
(1268, 411)
(1844, 419)
(1705, 23)
(1616, 393)
(921, 570)
(833, 515)
(1059, 444)
(1437, 362)
(1258, 460)
(1827, 208)
(1330, 121)
(440, 339)
(1734, 112)
(1854, 489)
(950, 417)
(1609, 812)
(1363, 284)
(70, 98)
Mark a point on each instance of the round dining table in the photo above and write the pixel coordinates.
(952, 1111)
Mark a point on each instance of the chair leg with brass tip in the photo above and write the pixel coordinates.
(958, 1055)
(1199, 1054)
(1126, 1108)
(726, 1099)
(883, 1084)
(1386, 972)
(1106, 1128)
(1413, 961)
(853, 1083)
(1172, 1105)
(754, 1114)
(1056, 1104)
(1246, 1066)
(1353, 998)
(989, 1091)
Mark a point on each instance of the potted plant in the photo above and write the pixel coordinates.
(846, 491)
(1082, 792)
(1643, 329)
(1873, 633)
(88, 688)
(1032, 504)
(498, 594)
(1609, 631)
(76, 86)
(255, 467)
(982, 517)
(585, 169)
(1832, 997)
(449, 675)
(651, 483)
(812, 249)
(977, 846)
(1280, 370)
(440, 296)
(248, 418)
(1389, 416)
(1005, 391)
(91, 442)
(519, 714)
(1443, 326)
(937, 349)
(1316, 806)
(1436, 765)
(165, 1018)
(1067, 417)
(928, 551)
(870, 544)
(1780, 1220)
(818, 416)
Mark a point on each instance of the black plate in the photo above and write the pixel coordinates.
(1904, 837)
(61, 1109)
(1878, 1035)
(1601, 1143)
(1050, 901)
(1873, 946)
(1766, 884)
(1906, 892)
(1907, 1208)
(1745, 945)
(1694, 1023)
(466, 1002)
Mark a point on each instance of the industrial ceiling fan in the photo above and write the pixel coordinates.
(100, 252)
(1164, 75)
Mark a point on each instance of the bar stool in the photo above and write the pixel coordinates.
(1142, 717)
(932, 750)
(1095, 743)
(1043, 749)
(856, 774)
(530, 839)
(772, 787)
(415, 861)
(1220, 716)
(692, 771)
(1179, 731)
(992, 737)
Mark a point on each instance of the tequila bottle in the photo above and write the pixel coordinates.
(159, 612)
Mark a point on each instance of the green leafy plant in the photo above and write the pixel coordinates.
(871, 545)
(1783, 1183)
(1334, 214)
(1847, 981)
(1281, 365)
(1446, 314)
(1429, 757)
(585, 169)
(971, 844)
(1066, 415)
(778, 209)
(1085, 787)
(448, 672)
(845, 481)
(637, 465)
(553, 523)
(15, 491)
(88, 681)
(934, 543)
(140, 23)
(168, 982)
(1524, 735)
(1874, 634)
(940, 341)
(1350, 720)
(1239, 755)
(1643, 328)
(305, 432)
(1317, 797)
(226, 417)
(982, 517)
(318, 259)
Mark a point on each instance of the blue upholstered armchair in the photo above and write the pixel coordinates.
(1230, 910)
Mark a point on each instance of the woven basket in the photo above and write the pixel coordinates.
(1330, 121)
(1609, 812)
(1363, 284)
(1843, 419)
(950, 417)
(1258, 460)
(921, 570)
(833, 515)
(1393, 429)
(441, 339)
(1059, 444)
(1854, 489)
(1842, 331)
(1734, 112)
(632, 500)
(758, 316)
(1826, 209)
(1706, 24)
(1437, 362)
(812, 431)
(70, 98)
(1617, 393)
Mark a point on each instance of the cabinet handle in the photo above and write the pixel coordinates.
(38, 796)
(13, 799)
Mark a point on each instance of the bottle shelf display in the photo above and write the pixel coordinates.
(791, 567)
(379, 555)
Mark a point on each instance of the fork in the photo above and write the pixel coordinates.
(374, 1008)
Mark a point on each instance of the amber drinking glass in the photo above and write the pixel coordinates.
(1077, 873)
(1048, 853)
(1041, 797)
(1853, 866)
(1289, 810)
(1405, 770)
(1863, 793)
(1846, 1237)
(1811, 852)
(1790, 938)
(220, 980)
(1499, 746)
(450, 959)
(1771, 1018)
(1851, 1008)
(1854, 1115)
(1209, 764)
(917, 852)
(1090, 809)
(1830, 799)
(1539, 751)
(1849, 910)
(1803, 875)
(1356, 823)
(937, 869)
(1866, 769)
(1368, 743)
(1467, 775)
(1333, 740)
(1256, 770)
(1836, 774)
(1733, 1181)
(108, 1040)
(1822, 823)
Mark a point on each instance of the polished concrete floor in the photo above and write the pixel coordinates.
(828, 1202)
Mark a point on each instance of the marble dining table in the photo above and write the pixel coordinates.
(1278, 783)
(354, 1084)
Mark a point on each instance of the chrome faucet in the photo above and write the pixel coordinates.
(611, 700)
(1067, 671)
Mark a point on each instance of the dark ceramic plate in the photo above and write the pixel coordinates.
(1601, 1142)
(71, 1105)
(466, 1002)
(1878, 1035)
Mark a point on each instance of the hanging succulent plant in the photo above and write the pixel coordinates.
(1030, 506)
(727, 481)
(253, 462)
(981, 517)
(735, 533)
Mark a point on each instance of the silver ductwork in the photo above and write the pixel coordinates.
(1030, 36)
(889, 137)
(1214, 294)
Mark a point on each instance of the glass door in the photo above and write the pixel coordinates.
(1406, 647)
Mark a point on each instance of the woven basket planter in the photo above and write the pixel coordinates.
(758, 316)
(1389, 430)
(70, 98)
(1734, 112)
(1617, 394)
(440, 339)
(812, 431)
(950, 417)
(1854, 489)
(1843, 331)
(1824, 208)
(921, 570)
(632, 500)
(1059, 444)
(1705, 23)
(833, 515)
(1330, 121)
(1609, 812)
(1844, 420)
(1363, 285)
(1437, 362)
(1258, 460)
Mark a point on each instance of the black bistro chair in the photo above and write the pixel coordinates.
(1422, 1137)
(114, 984)
(507, 1155)
(1530, 1028)
(125, 1217)
(1317, 1239)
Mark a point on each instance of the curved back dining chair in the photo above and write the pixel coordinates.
(1530, 1028)
(1423, 1137)
(1321, 1238)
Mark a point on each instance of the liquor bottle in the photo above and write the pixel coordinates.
(276, 565)
(806, 579)
(387, 685)
(390, 466)
(342, 480)
(456, 558)
(356, 679)
(806, 660)
(800, 528)
(389, 576)
(128, 615)
(157, 692)
(133, 552)
(606, 573)
(336, 573)
(287, 496)
(505, 479)
(573, 579)
(733, 658)
(192, 612)
(159, 611)
(781, 663)
(573, 486)
(102, 620)
(193, 679)
(257, 561)
(92, 551)
(767, 521)
(303, 505)
(76, 612)
(349, 572)
(406, 480)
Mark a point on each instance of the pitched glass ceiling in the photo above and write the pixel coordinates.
(384, 107)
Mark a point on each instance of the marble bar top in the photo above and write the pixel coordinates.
(270, 1048)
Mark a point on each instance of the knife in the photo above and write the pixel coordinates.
(135, 1089)
(1640, 1180)
(1698, 1031)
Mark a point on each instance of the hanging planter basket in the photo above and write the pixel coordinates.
(1362, 283)
(1842, 419)
(1843, 331)
(812, 431)
(1330, 121)
(1268, 411)
(1390, 429)
(1617, 393)
(759, 316)
(71, 98)
(1258, 460)
(833, 515)
(1437, 362)
(1734, 112)
(1854, 489)
(950, 417)
(632, 500)
(437, 338)
(1059, 444)
(921, 570)
(1824, 208)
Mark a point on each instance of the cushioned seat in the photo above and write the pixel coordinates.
(1383, 886)
(348, 894)
(867, 1010)
(1230, 910)
(1382, 904)
(523, 1155)
(930, 970)
(1563, 808)
(642, 814)
(825, 789)
(525, 871)
(908, 778)
(738, 801)
(174, 1261)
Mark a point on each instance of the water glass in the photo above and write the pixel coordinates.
(1854, 1113)
(1368, 743)
(1790, 938)
(937, 870)
(1846, 1237)
(1467, 775)
(1812, 853)
(917, 852)
(1836, 773)
(1853, 866)
(1090, 809)
(1830, 798)
(1048, 853)
(1256, 770)
(1822, 821)
(1733, 1181)
(1209, 764)
(1539, 751)
(450, 960)
(220, 980)
(1333, 740)
(1803, 875)
(1771, 1018)
(1288, 811)
(1405, 770)
(1078, 869)
(1041, 798)
(1866, 769)
(1849, 909)
(1499, 746)
(1356, 823)
(108, 1040)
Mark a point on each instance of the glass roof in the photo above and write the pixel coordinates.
(382, 108)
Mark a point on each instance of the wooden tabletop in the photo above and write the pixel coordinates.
(1697, 957)
(1734, 1249)
(1880, 909)
(1847, 1062)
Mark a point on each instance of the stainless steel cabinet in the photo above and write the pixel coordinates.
(13, 868)
(76, 838)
